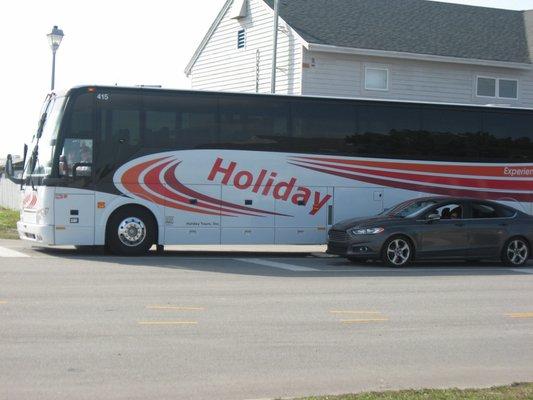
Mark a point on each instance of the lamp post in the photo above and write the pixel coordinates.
(54, 38)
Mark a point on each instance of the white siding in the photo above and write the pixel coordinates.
(221, 66)
(343, 76)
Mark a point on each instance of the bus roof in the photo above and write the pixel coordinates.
(161, 89)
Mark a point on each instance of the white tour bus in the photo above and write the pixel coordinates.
(132, 167)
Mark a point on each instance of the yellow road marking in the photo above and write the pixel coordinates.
(353, 312)
(362, 321)
(3, 302)
(521, 315)
(167, 322)
(175, 308)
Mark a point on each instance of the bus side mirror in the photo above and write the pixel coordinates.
(9, 167)
(10, 171)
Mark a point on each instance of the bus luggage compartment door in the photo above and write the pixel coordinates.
(356, 202)
(250, 219)
(196, 221)
(74, 218)
(304, 223)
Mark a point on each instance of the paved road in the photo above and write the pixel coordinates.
(214, 325)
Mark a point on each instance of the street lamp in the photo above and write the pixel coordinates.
(54, 38)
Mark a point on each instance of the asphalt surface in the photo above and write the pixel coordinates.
(250, 325)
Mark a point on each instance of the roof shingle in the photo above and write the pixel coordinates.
(411, 26)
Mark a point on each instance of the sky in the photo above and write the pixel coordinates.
(106, 42)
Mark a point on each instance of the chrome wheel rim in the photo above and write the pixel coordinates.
(398, 252)
(517, 252)
(131, 232)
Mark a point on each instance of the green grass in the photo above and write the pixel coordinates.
(516, 391)
(8, 224)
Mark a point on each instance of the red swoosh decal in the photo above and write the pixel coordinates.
(131, 180)
(170, 178)
(528, 197)
(494, 171)
(511, 184)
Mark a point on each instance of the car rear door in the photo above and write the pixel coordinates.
(487, 230)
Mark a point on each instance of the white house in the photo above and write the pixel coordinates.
(393, 49)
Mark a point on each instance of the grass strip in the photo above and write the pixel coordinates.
(8, 224)
(516, 391)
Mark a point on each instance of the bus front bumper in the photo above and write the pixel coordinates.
(42, 234)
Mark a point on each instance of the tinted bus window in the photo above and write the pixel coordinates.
(322, 126)
(253, 123)
(160, 120)
(508, 135)
(181, 121)
(120, 128)
(77, 143)
(450, 134)
(197, 121)
(391, 131)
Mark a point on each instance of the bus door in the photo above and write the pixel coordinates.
(356, 202)
(74, 195)
(301, 222)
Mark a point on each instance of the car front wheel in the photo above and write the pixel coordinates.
(397, 252)
(515, 252)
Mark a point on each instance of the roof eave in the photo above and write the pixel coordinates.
(415, 56)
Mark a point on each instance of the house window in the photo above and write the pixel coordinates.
(241, 37)
(507, 89)
(376, 78)
(498, 88)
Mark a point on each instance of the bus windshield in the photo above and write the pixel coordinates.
(44, 142)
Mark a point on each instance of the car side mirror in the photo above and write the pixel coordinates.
(433, 217)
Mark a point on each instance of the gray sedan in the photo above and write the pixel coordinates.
(437, 228)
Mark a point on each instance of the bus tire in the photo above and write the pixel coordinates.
(130, 231)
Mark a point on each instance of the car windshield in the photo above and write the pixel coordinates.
(409, 208)
(41, 155)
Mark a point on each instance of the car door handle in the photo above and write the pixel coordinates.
(504, 224)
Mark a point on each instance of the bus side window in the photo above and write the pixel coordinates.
(120, 130)
(322, 125)
(508, 135)
(187, 121)
(254, 123)
(77, 144)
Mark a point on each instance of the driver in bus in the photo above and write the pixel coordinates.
(76, 153)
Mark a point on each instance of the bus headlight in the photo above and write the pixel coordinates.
(366, 231)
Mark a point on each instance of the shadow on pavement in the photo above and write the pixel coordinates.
(323, 266)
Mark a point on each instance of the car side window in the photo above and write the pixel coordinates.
(449, 211)
(482, 210)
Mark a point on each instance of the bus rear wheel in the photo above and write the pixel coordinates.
(130, 232)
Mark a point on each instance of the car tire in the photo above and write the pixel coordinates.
(130, 232)
(398, 251)
(516, 252)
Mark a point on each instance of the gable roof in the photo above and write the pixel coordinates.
(411, 26)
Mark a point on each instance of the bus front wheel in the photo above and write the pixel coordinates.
(130, 231)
